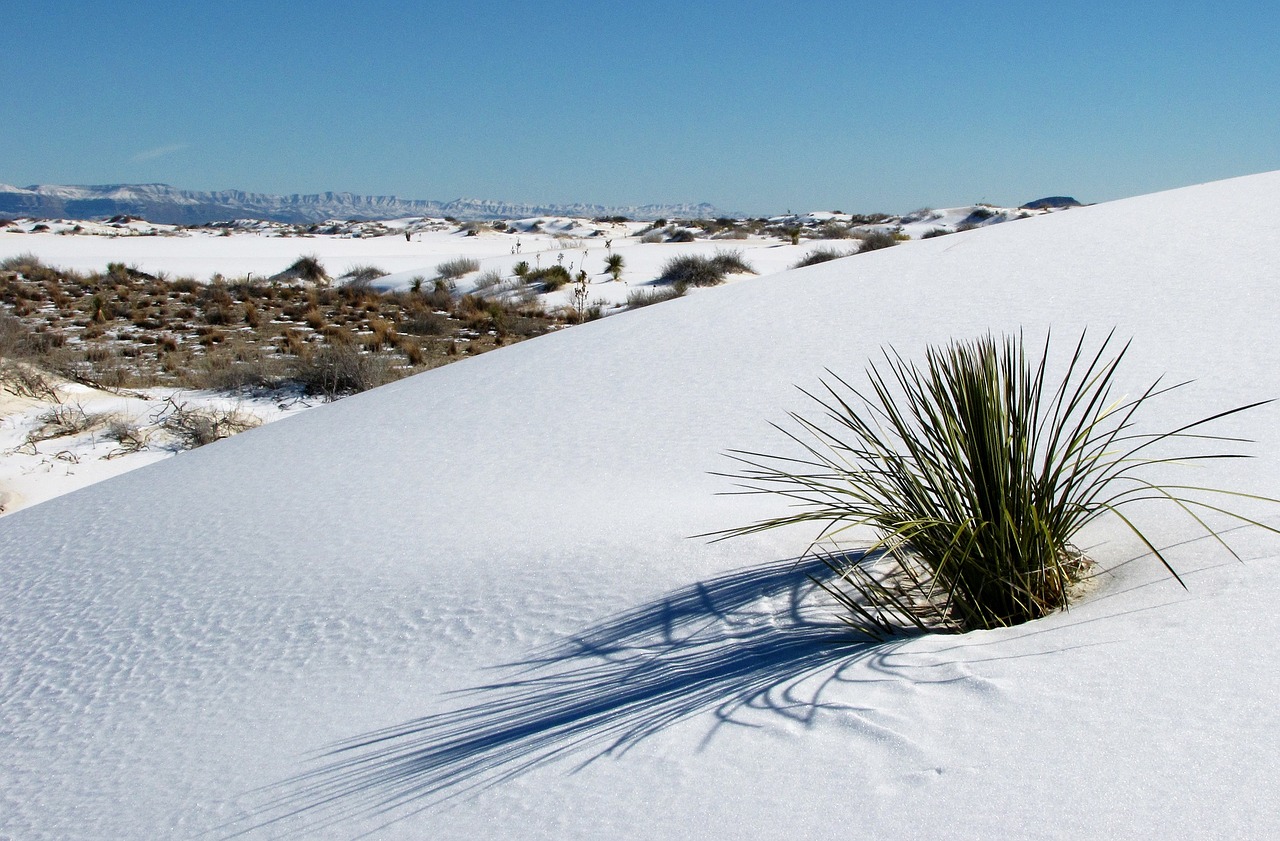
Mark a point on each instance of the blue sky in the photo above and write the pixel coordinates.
(753, 106)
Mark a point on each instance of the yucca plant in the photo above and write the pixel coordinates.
(976, 471)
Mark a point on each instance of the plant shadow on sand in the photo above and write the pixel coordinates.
(753, 639)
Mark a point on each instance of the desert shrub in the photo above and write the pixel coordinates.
(218, 314)
(27, 381)
(488, 280)
(412, 350)
(341, 369)
(63, 420)
(222, 371)
(613, 265)
(551, 278)
(731, 262)
(521, 268)
(456, 268)
(129, 437)
(696, 270)
(651, 237)
(980, 214)
(16, 338)
(638, 298)
(196, 427)
(307, 268)
(24, 264)
(976, 470)
(426, 324)
(820, 255)
(934, 232)
(681, 235)
(876, 240)
(833, 230)
(691, 270)
(361, 275)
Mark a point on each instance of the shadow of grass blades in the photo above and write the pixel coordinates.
(976, 470)
(750, 642)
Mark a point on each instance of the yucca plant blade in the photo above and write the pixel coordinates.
(979, 467)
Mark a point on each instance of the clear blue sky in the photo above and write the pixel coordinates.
(753, 106)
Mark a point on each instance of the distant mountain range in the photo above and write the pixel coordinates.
(165, 204)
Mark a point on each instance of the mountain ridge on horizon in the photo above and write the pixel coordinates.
(163, 203)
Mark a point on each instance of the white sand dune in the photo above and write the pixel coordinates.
(179, 644)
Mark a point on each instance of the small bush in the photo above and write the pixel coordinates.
(613, 265)
(681, 235)
(833, 230)
(64, 420)
(362, 275)
(336, 370)
(426, 324)
(197, 427)
(876, 240)
(820, 255)
(488, 280)
(128, 435)
(695, 270)
(456, 268)
(551, 278)
(24, 264)
(977, 470)
(638, 298)
(26, 381)
(306, 268)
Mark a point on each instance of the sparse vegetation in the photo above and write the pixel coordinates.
(820, 255)
(196, 427)
(123, 329)
(456, 268)
(550, 278)
(637, 298)
(876, 240)
(64, 420)
(340, 369)
(977, 470)
(362, 275)
(613, 265)
(696, 270)
(307, 268)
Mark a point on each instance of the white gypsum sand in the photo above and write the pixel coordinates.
(182, 643)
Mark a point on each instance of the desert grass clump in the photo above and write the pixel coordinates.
(696, 270)
(361, 275)
(341, 369)
(638, 298)
(456, 268)
(976, 471)
(876, 240)
(306, 268)
(613, 264)
(550, 278)
(820, 255)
